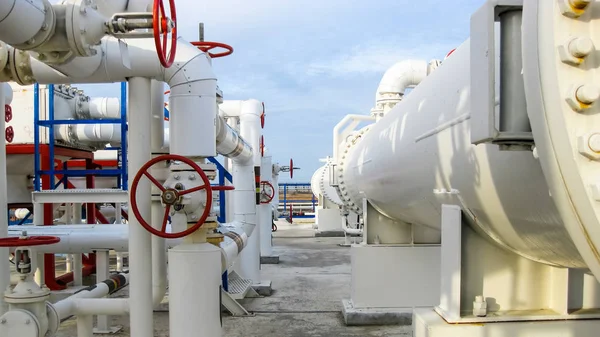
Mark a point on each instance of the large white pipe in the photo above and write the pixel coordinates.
(420, 156)
(159, 254)
(235, 240)
(104, 107)
(140, 248)
(21, 20)
(5, 99)
(250, 130)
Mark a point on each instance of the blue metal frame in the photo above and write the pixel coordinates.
(121, 172)
(285, 201)
(223, 174)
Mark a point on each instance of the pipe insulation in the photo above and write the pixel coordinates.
(230, 144)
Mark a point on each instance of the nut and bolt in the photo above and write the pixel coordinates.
(594, 142)
(176, 177)
(588, 94)
(580, 4)
(581, 47)
(192, 177)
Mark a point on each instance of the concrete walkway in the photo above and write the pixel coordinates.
(310, 281)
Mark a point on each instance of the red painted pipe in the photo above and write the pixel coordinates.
(89, 268)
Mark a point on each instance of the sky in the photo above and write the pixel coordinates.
(314, 61)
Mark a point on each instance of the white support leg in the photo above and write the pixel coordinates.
(85, 326)
(103, 273)
(77, 270)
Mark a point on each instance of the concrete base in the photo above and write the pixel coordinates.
(113, 330)
(329, 234)
(427, 323)
(404, 277)
(273, 259)
(265, 288)
(375, 316)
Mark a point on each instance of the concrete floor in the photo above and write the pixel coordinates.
(310, 281)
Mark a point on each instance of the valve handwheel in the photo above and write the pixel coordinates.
(7, 113)
(170, 196)
(205, 46)
(28, 241)
(292, 168)
(9, 134)
(262, 117)
(264, 192)
(161, 25)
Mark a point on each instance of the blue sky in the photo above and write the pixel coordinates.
(314, 61)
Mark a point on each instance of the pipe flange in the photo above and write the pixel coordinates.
(19, 323)
(46, 31)
(53, 319)
(85, 27)
(19, 62)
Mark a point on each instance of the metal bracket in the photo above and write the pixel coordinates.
(485, 100)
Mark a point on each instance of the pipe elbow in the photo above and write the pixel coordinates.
(401, 76)
(191, 65)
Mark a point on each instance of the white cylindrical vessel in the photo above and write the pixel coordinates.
(419, 156)
(195, 290)
(320, 184)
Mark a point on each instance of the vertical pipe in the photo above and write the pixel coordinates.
(266, 229)
(36, 142)
(90, 212)
(77, 258)
(513, 107)
(159, 248)
(4, 266)
(140, 250)
(50, 93)
(102, 273)
(124, 142)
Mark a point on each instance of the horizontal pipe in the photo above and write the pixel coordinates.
(230, 144)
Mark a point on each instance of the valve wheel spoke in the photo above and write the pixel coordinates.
(192, 190)
(154, 181)
(165, 219)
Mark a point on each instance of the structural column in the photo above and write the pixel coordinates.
(4, 264)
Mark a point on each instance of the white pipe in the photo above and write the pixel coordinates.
(71, 305)
(104, 107)
(105, 133)
(4, 264)
(396, 80)
(234, 242)
(139, 6)
(230, 144)
(230, 108)
(158, 118)
(348, 230)
(250, 130)
(338, 133)
(21, 20)
(83, 238)
(109, 7)
(265, 210)
(140, 249)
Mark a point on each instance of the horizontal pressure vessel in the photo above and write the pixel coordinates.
(321, 186)
(419, 156)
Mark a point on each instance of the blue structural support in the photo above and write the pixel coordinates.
(223, 175)
(120, 173)
(288, 202)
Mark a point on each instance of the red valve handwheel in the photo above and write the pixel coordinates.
(173, 194)
(161, 30)
(205, 46)
(262, 146)
(262, 117)
(223, 188)
(271, 195)
(29, 241)
(9, 134)
(7, 113)
(292, 168)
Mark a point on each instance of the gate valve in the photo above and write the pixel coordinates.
(9, 134)
(172, 197)
(29, 312)
(205, 46)
(267, 192)
(7, 113)
(289, 168)
(164, 28)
